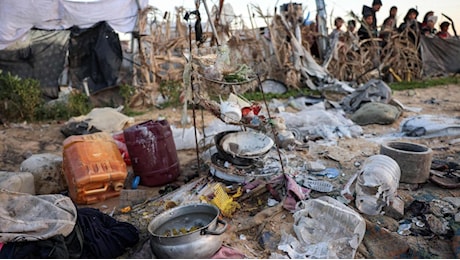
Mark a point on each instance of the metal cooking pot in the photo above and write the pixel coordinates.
(188, 231)
(228, 157)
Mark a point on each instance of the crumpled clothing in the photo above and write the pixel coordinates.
(228, 253)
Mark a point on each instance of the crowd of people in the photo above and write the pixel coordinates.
(369, 29)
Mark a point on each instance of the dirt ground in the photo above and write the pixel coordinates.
(19, 141)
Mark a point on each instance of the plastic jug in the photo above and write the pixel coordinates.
(93, 167)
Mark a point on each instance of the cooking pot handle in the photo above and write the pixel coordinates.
(217, 231)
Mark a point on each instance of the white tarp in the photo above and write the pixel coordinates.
(19, 16)
(430, 126)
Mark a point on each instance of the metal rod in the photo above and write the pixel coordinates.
(193, 98)
(269, 117)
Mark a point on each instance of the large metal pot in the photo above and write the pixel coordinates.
(188, 231)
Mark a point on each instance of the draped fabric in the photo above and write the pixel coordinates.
(19, 16)
(440, 56)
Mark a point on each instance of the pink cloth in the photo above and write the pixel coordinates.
(295, 192)
(228, 253)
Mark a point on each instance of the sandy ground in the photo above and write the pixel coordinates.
(19, 141)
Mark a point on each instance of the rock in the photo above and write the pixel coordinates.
(376, 113)
(47, 171)
(17, 181)
(453, 200)
(395, 209)
(437, 225)
(316, 166)
(381, 243)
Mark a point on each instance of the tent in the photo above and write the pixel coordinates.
(35, 39)
(440, 56)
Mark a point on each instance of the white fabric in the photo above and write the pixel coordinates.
(19, 16)
(25, 217)
(106, 119)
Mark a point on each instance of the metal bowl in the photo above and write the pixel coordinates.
(188, 231)
(228, 157)
(246, 144)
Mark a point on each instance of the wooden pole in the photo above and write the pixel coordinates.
(213, 28)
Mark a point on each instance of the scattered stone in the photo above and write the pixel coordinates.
(47, 171)
(316, 166)
(437, 226)
(457, 217)
(17, 181)
(395, 209)
(376, 113)
(453, 200)
(411, 93)
(454, 141)
(381, 243)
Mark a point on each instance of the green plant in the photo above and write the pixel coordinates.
(127, 92)
(79, 104)
(53, 111)
(76, 104)
(19, 98)
(425, 83)
(259, 96)
(171, 90)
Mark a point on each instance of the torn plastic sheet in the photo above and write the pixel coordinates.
(374, 90)
(330, 124)
(324, 228)
(430, 126)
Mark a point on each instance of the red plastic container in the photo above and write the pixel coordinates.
(152, 152)
(93, 167)
(120, 141)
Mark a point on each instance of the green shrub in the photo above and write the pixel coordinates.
(19, 98)
(171, 90)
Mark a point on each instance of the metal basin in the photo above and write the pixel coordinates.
(189, 231)
(246, 144)
(225, 155)
(242, 148)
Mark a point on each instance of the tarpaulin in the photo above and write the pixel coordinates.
(41, 57)
(95, 55)
(440, 56)
(19, 16)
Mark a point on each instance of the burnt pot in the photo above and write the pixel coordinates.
(203, 242)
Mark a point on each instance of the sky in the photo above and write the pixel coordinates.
(334, 8)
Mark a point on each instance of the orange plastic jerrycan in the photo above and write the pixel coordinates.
(93, 167)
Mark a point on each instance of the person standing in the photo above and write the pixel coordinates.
(425, 18)
(376, 5)
(412, 25)
(391, 19)
(351, 36)
(443, 33)
(367, 29)
(410, 20)
(429, 29)
(337, 32)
